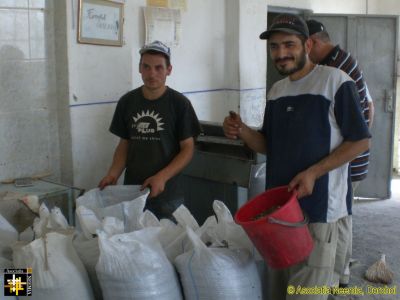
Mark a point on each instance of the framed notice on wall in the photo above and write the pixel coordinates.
(100, 22)
(163, 24)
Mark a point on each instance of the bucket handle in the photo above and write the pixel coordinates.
(289, 224)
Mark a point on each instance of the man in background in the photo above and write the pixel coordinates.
(324, 52)
(156, 126)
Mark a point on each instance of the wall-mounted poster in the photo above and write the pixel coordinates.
(157, 3)
(163, 24)
(175, 4)
(100, 22)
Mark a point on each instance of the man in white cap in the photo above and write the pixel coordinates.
(156, 126)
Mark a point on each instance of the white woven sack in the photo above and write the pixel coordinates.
(148, 219)
(133, 266)
(227, 230)
(112, 194)
(88, 251)
(172, 236)
(217, 273)
(8, 236)
(124, 202)
(58, 273)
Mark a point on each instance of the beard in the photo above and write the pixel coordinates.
(299, 62)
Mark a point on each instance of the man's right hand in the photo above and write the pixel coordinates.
(107, 180)
(232, 125)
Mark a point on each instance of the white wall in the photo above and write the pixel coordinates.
(98, 76)
(384, 7)
(252, 60)
(28, 106)
(338, 6)
(199, 60)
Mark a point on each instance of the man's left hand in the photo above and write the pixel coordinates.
(303, 183)
(156, 184)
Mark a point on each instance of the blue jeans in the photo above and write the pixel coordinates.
(162, 207)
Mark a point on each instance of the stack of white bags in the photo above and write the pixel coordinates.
(119, 251)
(46, 247)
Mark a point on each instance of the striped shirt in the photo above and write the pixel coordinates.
(342, 60)
(304, 121)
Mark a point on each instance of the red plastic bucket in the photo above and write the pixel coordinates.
(282, 237)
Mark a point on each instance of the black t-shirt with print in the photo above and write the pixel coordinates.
(154, 129)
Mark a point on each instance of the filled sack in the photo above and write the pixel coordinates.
(133, 266)
(88, 251)
(124, 202)
(8, 236)
(217, 273)
(57, 272)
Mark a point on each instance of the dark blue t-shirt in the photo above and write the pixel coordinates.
(304, 121)
(154, 129)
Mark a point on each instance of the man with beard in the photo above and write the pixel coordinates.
(312, 128)
(156, 126)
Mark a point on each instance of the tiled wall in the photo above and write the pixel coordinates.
(28, 94)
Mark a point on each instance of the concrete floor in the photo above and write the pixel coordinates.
(376, 230)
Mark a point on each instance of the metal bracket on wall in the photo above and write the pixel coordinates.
(388, 100)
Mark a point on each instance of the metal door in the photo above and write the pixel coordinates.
(372, 40)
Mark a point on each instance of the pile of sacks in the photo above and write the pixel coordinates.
(46, 247)
(119, 251)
